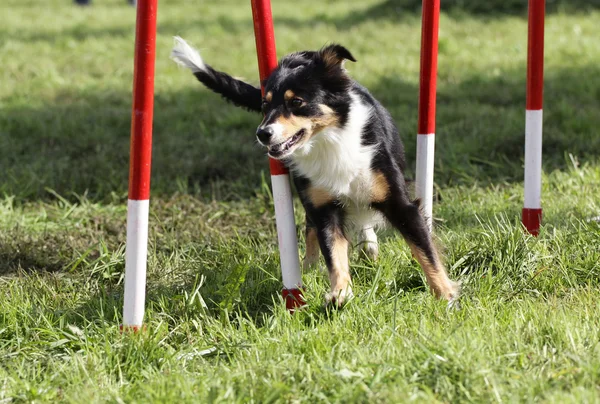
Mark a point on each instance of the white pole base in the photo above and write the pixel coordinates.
(136, 251)
(424, 174)
(533, 159)
(286, 232)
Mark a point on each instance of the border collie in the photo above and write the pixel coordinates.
(344, 152)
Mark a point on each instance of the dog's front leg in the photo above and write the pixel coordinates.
(312, 245)
(326, 215)
(329, 222)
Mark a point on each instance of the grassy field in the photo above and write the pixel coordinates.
(529, 326)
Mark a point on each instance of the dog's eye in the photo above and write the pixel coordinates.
(265, 104)
(296, 102)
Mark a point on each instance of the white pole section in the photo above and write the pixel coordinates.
(424, 179)
(533, 159)
(136, 253)
(286, 232)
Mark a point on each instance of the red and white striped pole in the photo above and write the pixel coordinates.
(427, 93)
(136, 247)
(532, 209)
(282, 192)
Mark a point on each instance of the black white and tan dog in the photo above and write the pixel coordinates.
(345, 155)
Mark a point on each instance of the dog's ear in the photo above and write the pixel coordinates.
(334, 55)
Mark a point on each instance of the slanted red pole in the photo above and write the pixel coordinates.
(139, 165)
(427, 94)
(532, 210)
(282, 193)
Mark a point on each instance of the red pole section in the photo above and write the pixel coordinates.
(427, 95)
(143, 101)
(535, 54)
(532, 207)
(282, 193)
(139, 169)
(428, 78)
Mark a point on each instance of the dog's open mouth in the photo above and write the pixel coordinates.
(280, 150)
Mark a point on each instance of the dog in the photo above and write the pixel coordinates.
(345, 155)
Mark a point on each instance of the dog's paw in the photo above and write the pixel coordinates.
(369, 250)
(337, 298)
(453, 305)
(452, 295)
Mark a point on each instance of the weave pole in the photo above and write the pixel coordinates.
(532, 208)
(427, 93)
(282, 192)
(136, 247)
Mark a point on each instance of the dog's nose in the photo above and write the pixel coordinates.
(264, 134)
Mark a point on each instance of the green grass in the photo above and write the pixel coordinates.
(216, 331)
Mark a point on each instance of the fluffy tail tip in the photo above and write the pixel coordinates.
(184, 55)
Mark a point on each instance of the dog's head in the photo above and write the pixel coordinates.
(307, 93)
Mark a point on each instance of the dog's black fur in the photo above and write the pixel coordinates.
(312, 106)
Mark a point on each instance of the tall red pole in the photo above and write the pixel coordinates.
(282, 193)
(427, 103)
(532, 209)
(139, 166)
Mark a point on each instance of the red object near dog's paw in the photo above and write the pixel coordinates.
(293, 299)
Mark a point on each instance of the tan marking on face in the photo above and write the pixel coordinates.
(327, 120)
(326, 110)
(339, 273)
(311, 125)
(288, 95)
(293, 124)
(319, 196)
(312, 248)
(437, 278)
(380, 188)
(269, 97)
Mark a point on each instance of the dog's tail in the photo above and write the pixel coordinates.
(238, 92)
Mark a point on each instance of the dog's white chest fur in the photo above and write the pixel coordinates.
(336, 161)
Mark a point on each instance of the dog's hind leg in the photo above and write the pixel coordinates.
(405, 215)
(364, 221)
(367, 242)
